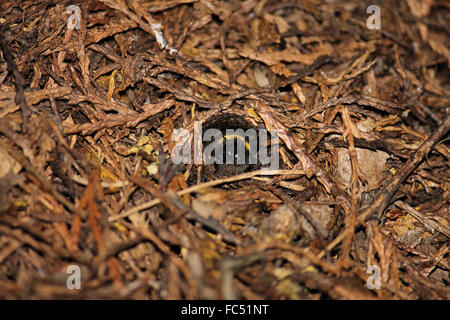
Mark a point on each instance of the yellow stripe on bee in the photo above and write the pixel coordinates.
(236, 136)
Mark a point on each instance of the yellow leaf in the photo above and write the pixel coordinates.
(152, 169)
(120, 227)
(143, 140)
(147, 149)
(133, 150)
(252, 113)
(282, 273)
(309, 269)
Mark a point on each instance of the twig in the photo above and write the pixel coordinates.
(310, 166)
(208, 184)
(428, 222)
(19, 81)
(391, 185)
(305, 72)
(130, 120)
(368, 101)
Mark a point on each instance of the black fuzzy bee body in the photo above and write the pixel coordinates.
(234, 139)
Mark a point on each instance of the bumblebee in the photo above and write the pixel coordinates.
(239, 150)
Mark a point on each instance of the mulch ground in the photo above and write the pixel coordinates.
(91, 93)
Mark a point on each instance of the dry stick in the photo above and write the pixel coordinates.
(185, 96)
(384, 196)
(391, 185)
(305, 72)
(427, 221)
(28, 239)
(208, 184)
(32, 98)
(181, 67)
(181, 94)
(350, 220)
(175, 205)
(39, 178)
(144, 26)
(368, 101)
(309, 164)
(19, 81)
(129, 120)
